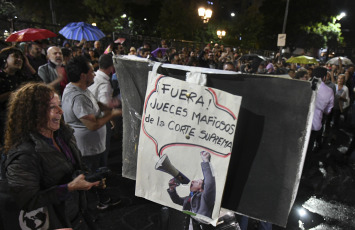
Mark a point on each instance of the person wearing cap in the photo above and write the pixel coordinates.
(132, 51)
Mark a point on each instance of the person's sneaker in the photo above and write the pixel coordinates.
(107, 204)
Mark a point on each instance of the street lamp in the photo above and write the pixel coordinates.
(221, 34)
(6, 33)
(205, 14)
(340, 16)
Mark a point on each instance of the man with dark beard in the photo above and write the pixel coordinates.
(35, 56)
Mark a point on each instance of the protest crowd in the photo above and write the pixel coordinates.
(83, 74)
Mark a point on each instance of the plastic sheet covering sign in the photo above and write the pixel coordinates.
(186, 140)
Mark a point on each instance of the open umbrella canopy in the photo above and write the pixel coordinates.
(81, 30)
(335, 61)
(120, 40)
(30, 34)
(302, 60)
(163, 51)
(251, 57)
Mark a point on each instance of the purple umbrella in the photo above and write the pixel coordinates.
(163, 50)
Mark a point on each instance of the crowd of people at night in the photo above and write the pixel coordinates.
(47, 91)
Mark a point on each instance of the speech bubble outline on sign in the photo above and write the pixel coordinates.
(177, 113)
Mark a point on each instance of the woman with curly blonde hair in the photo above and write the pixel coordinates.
(42, 157)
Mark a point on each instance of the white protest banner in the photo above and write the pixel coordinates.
(186, 139)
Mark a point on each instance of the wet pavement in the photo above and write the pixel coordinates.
(325, 199)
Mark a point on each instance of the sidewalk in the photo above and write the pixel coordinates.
(133, 213)
(330, 181)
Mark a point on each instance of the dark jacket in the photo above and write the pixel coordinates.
(202, 62)
(201, 202)
(35, 169)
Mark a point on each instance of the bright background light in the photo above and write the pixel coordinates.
(341, 15)
(302, 212)
(232, 14)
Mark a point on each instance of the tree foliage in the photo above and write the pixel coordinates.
(247, 28)
(325, 34)
(7, 10)
(301, 13)
(105, 13)
(180, 24)
(39, 11)
(36, 11)
(309, 23)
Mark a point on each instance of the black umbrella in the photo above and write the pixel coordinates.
(255, 60)
(251, 57)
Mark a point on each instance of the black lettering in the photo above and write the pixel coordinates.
(197, 115)
(155, 102)
(213, 136)
(224, 125)
(204, 134)
(192, 96)
(178, 127)
(210, 119)
(159, 108)
(227, 128)
(169, 127)
(166, 87)
(204, 119)
(165, 108)
(229, 145)
(149, 119)
(192, 132)
(232, 129)
(178, 110)
(185, 112)
(200, 101)
(183, 128)
(183, 94)
(172, 93)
